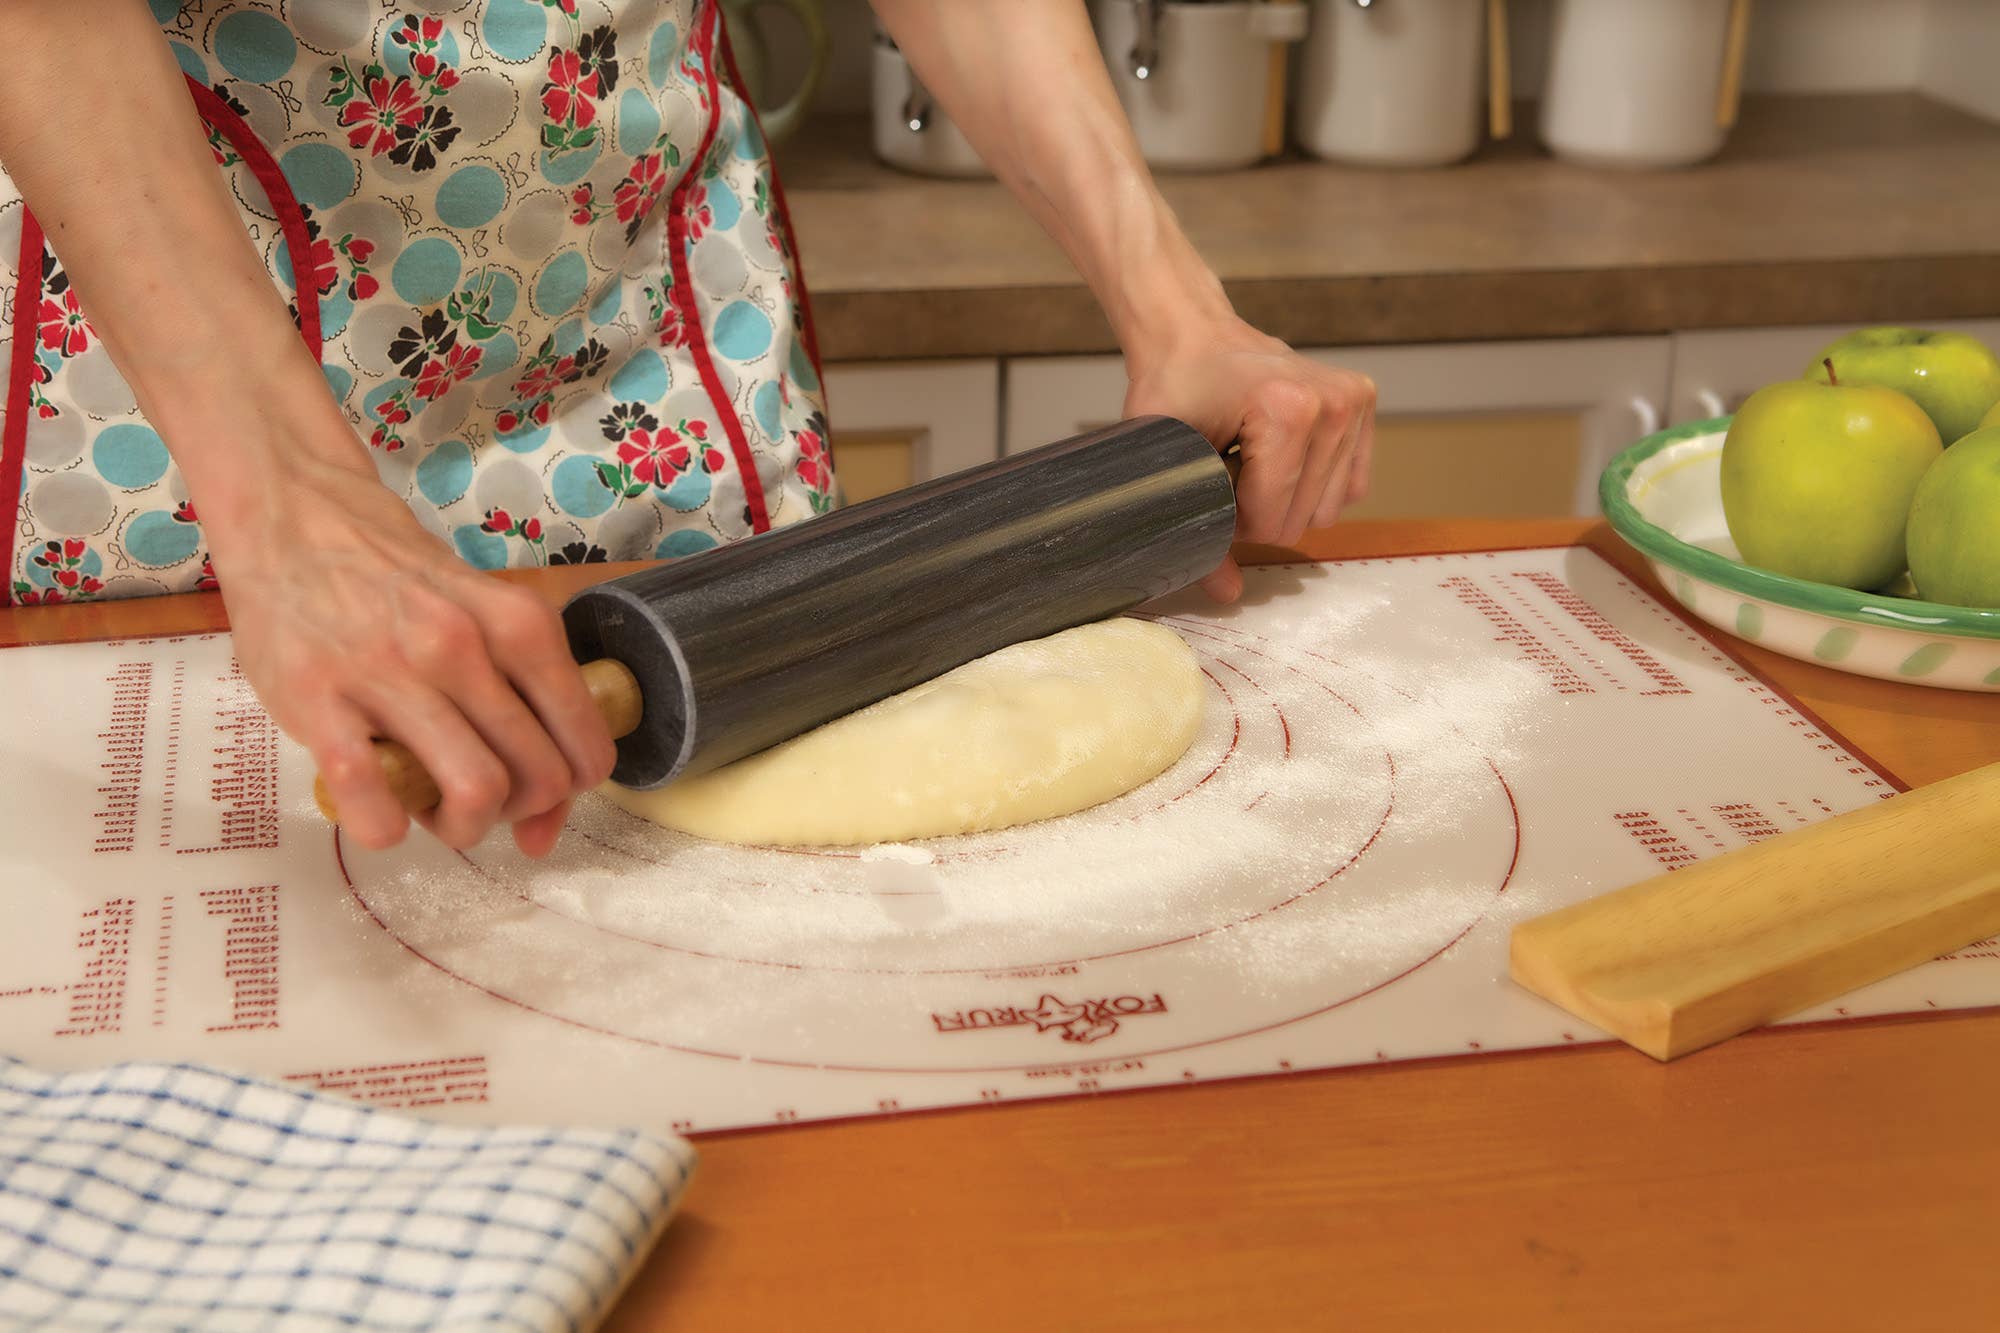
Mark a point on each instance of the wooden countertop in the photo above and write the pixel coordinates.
(1822, 209)
(1839, 1177)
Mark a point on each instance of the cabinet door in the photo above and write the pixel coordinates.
(1517, 428)
(1715, 372)
(896, 423)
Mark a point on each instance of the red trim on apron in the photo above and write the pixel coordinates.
(291, 218)
(784, 224)
(20, 372)
(677, 248)
(28, 300)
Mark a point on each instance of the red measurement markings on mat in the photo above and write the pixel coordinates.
(163, 947)
(1563, 676)
(1978, 949)
(124, 741)
(238, 748)
(414, 1083)
(97, 998)
(1656, 839)
(1663, 679)
(249, 954)
(1746, 821)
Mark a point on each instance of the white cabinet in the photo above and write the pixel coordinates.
(1519, 428)
(898, 422)
(1715, 372)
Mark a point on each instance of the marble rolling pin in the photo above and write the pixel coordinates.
(1696, 956)
(704, 660)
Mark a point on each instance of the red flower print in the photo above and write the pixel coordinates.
(384, 106)
(532, 529)
(72, 548)
(322, 271)
(566, 96)
(585, 211)
(363, 287)
(650, 455)
(701, 217)
(498, 520)
(206, 580)
(641, 186)
(674, 330)
(439, 374)
(184, 512)
(358, 250)
(64, 329)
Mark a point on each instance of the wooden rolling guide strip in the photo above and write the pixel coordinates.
(1694, 957)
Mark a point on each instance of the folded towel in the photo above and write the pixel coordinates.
(173, 1196)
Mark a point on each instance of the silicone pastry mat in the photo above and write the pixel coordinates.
(1401, 758)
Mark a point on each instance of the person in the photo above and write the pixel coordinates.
(337, 305)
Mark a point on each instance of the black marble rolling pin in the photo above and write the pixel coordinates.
(708, 659)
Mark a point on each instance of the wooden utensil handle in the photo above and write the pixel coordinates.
(612, 687)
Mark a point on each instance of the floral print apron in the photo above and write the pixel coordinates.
(538, 249)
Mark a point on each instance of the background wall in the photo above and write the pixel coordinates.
(1949, 48)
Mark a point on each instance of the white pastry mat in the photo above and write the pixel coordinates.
(1401, 759)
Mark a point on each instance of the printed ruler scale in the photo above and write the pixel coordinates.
(1401, 758)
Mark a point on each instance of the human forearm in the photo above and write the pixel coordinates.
(1025, 82)
(98, 132)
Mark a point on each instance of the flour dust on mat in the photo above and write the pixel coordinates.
(1030, 732)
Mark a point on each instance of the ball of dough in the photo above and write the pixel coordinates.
(1033, 731)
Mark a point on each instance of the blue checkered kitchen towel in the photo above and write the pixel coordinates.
(153, 1196)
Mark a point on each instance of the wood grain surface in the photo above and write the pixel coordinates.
(1826, 1178)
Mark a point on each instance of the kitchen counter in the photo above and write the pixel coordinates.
(1822, 209)
(1829, 1177)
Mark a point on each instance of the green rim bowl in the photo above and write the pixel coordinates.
(1664, 496)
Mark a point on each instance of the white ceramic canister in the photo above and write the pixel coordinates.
(1195, 78)
(911, 129)
(1633, 83)
(1392, 82)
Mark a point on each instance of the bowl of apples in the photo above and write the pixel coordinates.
(1850, 517)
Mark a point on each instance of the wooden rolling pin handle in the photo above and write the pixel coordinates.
(612, 687)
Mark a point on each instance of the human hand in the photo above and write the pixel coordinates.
(353, 622)
(1306, 432)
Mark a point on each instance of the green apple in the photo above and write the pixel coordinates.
(1817, 479)
(1953, 376)
(1992, 417)
(1955, 524)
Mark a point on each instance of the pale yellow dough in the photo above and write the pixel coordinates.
(1032, 731)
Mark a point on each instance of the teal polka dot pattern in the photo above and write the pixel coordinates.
(426, 271)
(660, 53)
(129, 455)
(802, 370)
(471, 197)
(689, 493)
(559, 289)
(766, 405)
(446, 473)
(471, 258)
(479, 548)
(571, 166)
(638, 123)
(189, 60)
(577, 489)
(502, 355)
(687, 541)
(319, 174)
(722, 202)
(255, 46)
(605, 308)
(515, 29)
(742, 331)
(567, 337)
(157, 539)
(643, 378)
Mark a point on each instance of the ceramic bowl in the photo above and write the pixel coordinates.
(1664, 496)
